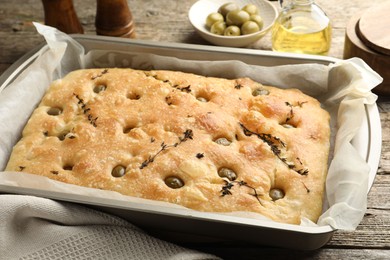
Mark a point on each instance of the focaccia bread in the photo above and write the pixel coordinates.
(209, 144)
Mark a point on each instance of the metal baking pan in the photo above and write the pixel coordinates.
(178, 224)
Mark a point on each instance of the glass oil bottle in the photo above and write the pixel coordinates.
(302, 27)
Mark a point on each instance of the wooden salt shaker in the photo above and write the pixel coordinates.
(114, 18)
(62, 15)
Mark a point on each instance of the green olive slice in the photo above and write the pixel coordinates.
(174, 182)
(68, 167)
(276, 194)
(288, 126)
(54, 111)
(260, 92)
(118, 171)
(201, 99)
(223, 141)
(62, 136)
(99, 88)
(227, 173)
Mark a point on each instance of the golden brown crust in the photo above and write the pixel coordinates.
(160, 124)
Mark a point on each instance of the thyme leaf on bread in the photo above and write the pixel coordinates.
(290, 115)
(307, 189)
(199, 155)
(186, 89)
(188, 134)
(183, 89)
(99, 75)
(300, 104)
(86, 110)
(226, 189)
(276, 145)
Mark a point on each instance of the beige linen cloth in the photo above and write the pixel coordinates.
(38, 228)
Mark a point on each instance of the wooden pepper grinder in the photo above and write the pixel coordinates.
(114, 18)
(62, 15)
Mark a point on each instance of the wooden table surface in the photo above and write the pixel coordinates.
(167, 21)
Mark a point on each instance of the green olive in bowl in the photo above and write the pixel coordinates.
(213, 18)
(218, 28)
(249, 27)
(251, 9)
(257, 19)
(226, 8)
(237, 17)
(232, 30)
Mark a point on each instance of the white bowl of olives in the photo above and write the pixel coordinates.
(230, 23)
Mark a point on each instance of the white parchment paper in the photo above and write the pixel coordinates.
(343, 89)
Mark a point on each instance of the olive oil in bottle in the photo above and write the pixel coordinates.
(302, 27)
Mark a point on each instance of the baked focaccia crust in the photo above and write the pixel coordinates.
(209, 144)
